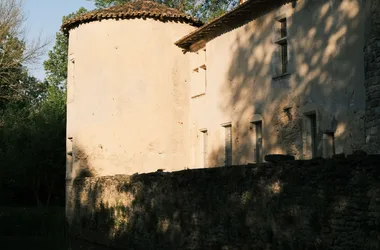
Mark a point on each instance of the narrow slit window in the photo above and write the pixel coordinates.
(328, 144)
(313, 119)
(259, 141)
(283, 28)
(228, 145)
(284, 58)
(204, 148)
(311, 135)
(282, 43)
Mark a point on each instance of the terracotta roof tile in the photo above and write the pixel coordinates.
(136, 9)
(244, 13)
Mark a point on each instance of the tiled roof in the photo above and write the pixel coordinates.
(244, 13)
(136, 9)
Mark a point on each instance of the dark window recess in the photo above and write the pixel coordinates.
(282, 42)
(283, 27)
(205, 135)
(259, 142)
(329, 146)
(313, 125)
(284, 58)
(228, 145)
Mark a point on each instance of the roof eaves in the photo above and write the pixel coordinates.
(117, 13)
(207, 31)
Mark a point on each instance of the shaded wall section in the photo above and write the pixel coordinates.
(316, 204)
(372, 75)
(325, 76)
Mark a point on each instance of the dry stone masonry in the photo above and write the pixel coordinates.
(316, 204)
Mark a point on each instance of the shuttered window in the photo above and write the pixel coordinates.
(282, 43)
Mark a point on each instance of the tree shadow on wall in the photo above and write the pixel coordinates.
(326, 70)
(85, 170)
(317, 204)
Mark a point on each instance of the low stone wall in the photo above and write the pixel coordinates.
(317, 204)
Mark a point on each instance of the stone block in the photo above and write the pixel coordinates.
(142, 211)
(279, 158)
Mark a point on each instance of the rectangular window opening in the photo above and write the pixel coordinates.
(228, 145)
(331, 141)
(312, 134)
(282, 43)
(258, 141)
(204, 148)
(283, 28)
(284, 58)
(328, 144)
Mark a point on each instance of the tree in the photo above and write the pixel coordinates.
(15, 51)
(204, 10)
(32, 145)
(34, 131)
(56, 64)
(33, 128)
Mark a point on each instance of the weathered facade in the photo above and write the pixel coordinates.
(313, 108)
(149, 89)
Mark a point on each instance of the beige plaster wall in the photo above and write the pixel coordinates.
(127, 98)
(326, 76)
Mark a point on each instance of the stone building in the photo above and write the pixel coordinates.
(152, 88)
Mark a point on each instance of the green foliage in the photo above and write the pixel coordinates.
(15, 52)
(107, 3)
(21, 91)
(33, 148)
(56, 64)
(33, 131)
(205, 10)
(11, 71)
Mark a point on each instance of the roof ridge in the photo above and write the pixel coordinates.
(245, 12)
(131, 10)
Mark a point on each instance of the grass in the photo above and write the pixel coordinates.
(32, 228)
(32, 222)
(40, 243)
(37, 228)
